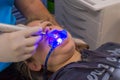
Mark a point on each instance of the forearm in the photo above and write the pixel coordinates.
(34, 10)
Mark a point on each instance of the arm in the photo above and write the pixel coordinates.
(34, 10)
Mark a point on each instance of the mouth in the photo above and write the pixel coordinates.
(57, 38)
(65, 42)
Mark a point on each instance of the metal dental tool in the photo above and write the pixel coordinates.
(11, 28)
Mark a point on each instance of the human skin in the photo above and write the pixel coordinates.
(62, 55)
(34, 10)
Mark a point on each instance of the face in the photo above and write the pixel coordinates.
(60, 54)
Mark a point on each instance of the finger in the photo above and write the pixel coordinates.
(31, 50)
(30, 31)
(32, 40)
(24, 57)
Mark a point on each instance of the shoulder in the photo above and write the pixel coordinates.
(103, 53)
(109, 46)
(73, 71)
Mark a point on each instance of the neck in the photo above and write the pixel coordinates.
(74, 58)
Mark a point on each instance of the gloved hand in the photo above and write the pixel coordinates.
(19, 45)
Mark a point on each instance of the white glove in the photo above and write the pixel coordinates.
(18, 46)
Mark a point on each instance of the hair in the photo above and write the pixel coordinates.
(27, 73)
(24, 70)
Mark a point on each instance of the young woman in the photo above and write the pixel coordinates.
(66, 63)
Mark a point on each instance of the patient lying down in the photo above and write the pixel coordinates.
(63, 61)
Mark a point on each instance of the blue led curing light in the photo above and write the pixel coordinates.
(56, 37)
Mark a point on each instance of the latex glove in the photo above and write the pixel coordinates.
(18, 46)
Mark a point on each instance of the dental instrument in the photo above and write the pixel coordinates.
(11, 28)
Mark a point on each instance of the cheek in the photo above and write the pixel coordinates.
(42, 51)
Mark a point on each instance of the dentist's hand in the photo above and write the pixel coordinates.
(18, 46)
